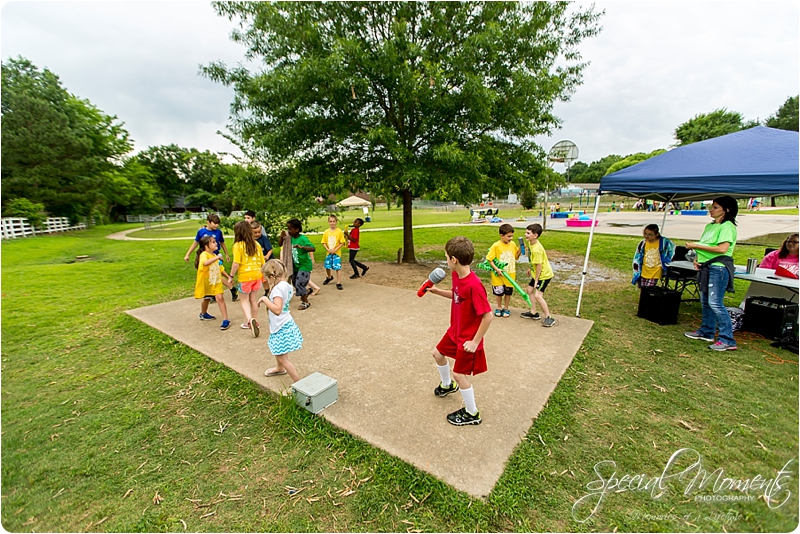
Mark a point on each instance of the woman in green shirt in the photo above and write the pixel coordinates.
(715, 263)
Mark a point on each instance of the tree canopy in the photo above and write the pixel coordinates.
(633, 159)
(709, 125)
(590, 174)
(402, 98)
(786, 118)
(58, 149)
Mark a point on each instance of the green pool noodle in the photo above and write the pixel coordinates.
(484, 266)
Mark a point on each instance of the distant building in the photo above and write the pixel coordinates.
(181, 207)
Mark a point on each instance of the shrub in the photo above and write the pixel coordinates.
(22, 207)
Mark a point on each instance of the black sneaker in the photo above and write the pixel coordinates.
(529, 315)
(234, 294)
(548, 321)
(327, 281)
(339, 286)
(463, 417)
(364, 271)
(442, 391)
(355, 276)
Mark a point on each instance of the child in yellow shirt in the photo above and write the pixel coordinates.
(209, 282)
(507, 251)
(247, 261)
(333, 240)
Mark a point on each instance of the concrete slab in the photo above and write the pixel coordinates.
(376, 341)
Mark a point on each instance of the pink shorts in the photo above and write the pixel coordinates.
(249, 287)
(467, 363)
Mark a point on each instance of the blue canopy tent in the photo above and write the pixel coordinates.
(757, 162)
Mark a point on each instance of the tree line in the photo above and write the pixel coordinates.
(699, 128)
(64, 156)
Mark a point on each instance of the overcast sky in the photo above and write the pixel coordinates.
(654, 66)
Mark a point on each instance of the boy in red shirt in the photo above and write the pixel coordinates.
(353, 246)
(470, 316)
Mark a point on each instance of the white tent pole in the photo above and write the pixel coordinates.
(664, 218)
(588, 249)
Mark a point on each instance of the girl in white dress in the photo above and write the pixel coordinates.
(284, 335)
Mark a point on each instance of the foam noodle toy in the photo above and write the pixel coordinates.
(484, 266)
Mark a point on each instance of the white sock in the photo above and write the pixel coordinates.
(444, 373)
(469, 400)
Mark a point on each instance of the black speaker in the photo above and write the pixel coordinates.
(659, 304)
(771, 317)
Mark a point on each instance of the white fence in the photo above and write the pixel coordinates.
(14, 227)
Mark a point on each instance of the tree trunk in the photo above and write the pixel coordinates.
(408, 231)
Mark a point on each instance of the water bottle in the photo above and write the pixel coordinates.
(523, 257)
(691, 255)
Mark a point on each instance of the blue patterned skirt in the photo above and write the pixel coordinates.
(285, 340)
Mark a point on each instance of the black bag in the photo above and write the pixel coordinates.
(659, 305)
(737, 317)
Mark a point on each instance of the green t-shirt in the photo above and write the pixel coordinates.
(713, 235)
(300, 258)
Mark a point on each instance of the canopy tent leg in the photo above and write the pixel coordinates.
(664, 218)
(588, 249)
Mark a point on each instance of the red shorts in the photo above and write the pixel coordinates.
(467, 363)
(249, 287)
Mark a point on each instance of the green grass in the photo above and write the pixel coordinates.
(381, 218)
(767, 240)
(102, 413)
(782, 211)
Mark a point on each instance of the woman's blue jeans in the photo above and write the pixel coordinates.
(715, 316)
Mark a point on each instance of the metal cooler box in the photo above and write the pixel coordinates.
(315, 392)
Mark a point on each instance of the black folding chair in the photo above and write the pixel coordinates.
(682, 280)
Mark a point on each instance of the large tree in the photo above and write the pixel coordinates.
(402, 98)
(167, 165)
(58, 149)
(179, 171)
(582, 173)
(786, 118)
(709, 125)
(130, 191)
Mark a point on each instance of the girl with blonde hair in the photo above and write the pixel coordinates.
(284, 335)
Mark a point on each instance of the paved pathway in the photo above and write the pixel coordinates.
(677, 227)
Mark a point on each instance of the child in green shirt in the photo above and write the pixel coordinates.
(301, 260)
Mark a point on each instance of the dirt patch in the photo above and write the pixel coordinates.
(567, 269)
(401, 276)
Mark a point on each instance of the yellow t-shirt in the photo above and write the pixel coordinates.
(651, 262)
(249, 266)
(332, 238)
(209, 277)
(505, 252)
(538, 255)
